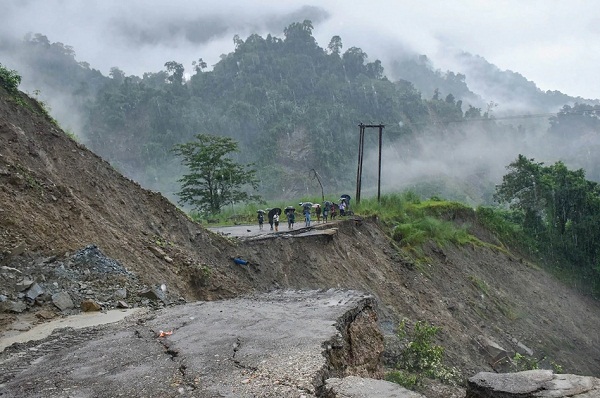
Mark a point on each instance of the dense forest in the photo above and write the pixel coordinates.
(294, 108)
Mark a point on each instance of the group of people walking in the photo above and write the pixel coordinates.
(329, 210)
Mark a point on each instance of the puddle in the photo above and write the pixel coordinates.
(78, 321)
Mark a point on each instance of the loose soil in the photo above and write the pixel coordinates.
(59, 200)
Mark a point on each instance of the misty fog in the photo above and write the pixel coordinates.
(139, 37)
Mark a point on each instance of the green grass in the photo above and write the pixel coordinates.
(412, 221)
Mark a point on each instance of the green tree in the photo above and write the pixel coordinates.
(562, 209)
(525, 189)
(176, 70)
(199, 65)
(9, 79)
(215, 180)
(335, 45)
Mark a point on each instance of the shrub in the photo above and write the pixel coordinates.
(421, 229)
(421, 358)
(9, 79)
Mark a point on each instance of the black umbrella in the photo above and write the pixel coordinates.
(347, 197)
(274, 211)
(290, 208)
(260, 211)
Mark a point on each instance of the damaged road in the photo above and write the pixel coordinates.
(279, 344)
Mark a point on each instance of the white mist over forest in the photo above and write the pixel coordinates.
(555, 46)
(140, 36)
(437, 163)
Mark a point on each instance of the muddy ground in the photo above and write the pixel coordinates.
(58, 200)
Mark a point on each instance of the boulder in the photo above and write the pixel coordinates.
(496, 355)
(532, 383)
(24, 284)
(13, 306)
(90, 305)
(34, 291)
(358, 387)
(62, 301)
(154, 294)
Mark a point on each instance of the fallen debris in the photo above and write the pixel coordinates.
(164, 334)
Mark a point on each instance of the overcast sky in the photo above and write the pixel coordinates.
(554, 43)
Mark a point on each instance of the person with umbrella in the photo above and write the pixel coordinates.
(345, 205)
(306, 211)
(326, 209)
(318, 211)
(271, 216)
(290, 212)
(261, 218)
(334, 208)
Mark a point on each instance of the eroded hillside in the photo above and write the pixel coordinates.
(56, 198)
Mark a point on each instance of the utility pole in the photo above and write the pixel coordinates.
(361, 147)
(319, 180)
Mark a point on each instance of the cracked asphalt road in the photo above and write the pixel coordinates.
(269, 345)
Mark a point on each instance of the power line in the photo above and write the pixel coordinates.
(591, 112)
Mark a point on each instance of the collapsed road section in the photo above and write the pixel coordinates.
(278, 344)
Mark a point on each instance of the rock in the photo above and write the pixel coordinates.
(43, 314)
(358, 387)
(34, 291)
(3, 298)
(158, 252)
(153, 294)
(120, 294)
(62, 301)
(24, 284)
(122, 304)
(90, 305)
(522, 348)
(532, 383)
(14, 306)
(496, 355)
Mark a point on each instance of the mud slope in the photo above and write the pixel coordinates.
(474, 294)
(57, 197)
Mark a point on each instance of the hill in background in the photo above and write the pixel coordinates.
(294, 107)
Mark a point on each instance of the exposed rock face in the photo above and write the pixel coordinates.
(532, 383)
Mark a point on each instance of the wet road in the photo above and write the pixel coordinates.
(241, 231)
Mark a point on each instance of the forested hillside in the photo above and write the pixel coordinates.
(294, 108)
